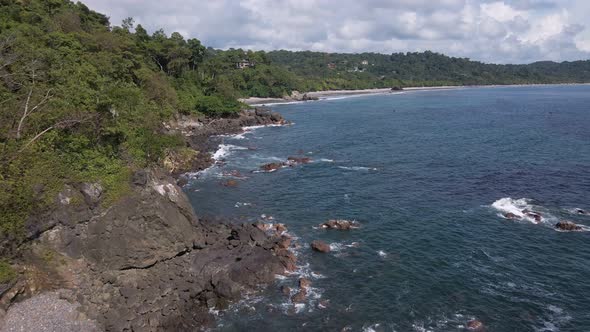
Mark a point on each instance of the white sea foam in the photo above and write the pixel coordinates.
(519, 208)
(382, 253)
(325, 160)
(225, 150)
(557, 317)
(371, 328)
(240, 204)
(357, 168)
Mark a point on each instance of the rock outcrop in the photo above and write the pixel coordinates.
(320, 246)
(340, 224)
(202, 135)
(148, 264)
(475, 325)
(569, 226)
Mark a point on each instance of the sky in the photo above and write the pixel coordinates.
(508, 31)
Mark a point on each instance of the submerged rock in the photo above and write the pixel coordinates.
(320, 246)
(565, 225)
(534, 215)
(230, 183)
(582, 212)
(511, 216)
(299, 160)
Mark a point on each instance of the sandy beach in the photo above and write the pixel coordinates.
(256, 101)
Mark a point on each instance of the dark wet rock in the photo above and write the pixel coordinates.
(271, 167)
(286, 290)
(582, 212)
(565, 225)
(284, 242)
(537, 217)
(287, 258)
(280, 228)
(511, 216)
(475, 325)
(320, 246)
(532, 214)
(397, 88)
(304, 283)
(299, 297)
(340, 224)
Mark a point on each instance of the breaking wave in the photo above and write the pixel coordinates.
(357, 168)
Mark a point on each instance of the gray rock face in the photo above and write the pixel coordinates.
(91, 192)
(148, 264)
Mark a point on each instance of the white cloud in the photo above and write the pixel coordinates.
(488, 30)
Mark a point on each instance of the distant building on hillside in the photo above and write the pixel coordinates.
(244, 63)
(365, 62)
(331, 66)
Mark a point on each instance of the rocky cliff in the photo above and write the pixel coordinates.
(147, 263)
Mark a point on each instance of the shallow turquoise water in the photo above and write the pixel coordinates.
(420, 171)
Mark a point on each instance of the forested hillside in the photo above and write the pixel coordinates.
(83, 101)
(321, 71)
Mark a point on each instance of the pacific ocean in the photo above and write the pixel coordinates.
(429, 176)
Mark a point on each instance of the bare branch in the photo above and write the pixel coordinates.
(25, 114)
(27, 111)
(59, 125)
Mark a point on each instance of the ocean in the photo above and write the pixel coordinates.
(428, 175)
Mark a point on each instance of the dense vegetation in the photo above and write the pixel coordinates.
(81, 100)
(323, 71)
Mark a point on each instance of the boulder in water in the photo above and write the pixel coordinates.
(271, 167)
(304, 283)
(320, 246)
(286, 290)
(340, 224)
(299, 297)
(569, 226)
(475, 325)
(582, 212)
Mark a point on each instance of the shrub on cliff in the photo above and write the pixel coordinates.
(217, 106)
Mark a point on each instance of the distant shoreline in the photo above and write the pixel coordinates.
(322, 95)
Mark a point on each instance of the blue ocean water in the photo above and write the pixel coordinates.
(427, 174)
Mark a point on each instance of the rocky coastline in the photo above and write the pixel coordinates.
(146, 263)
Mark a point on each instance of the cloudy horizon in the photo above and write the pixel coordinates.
(510, 31)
